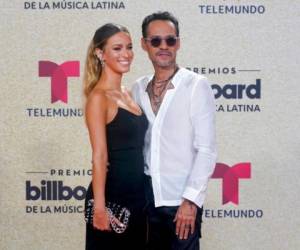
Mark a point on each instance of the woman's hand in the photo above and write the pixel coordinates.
(101, 220)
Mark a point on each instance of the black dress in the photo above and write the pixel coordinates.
(124, 182)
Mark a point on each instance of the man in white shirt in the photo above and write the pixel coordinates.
(180, 148)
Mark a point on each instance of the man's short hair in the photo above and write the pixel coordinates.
(165, 16)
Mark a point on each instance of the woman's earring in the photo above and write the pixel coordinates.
(101, 60)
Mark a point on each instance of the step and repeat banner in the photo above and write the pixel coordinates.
(248, 49)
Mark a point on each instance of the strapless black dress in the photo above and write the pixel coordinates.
(124, 182)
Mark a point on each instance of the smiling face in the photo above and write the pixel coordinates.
(164, 55)
(117, 53)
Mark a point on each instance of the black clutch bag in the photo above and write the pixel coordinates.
(118, 215)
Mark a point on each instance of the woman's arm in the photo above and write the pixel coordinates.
(96, 117)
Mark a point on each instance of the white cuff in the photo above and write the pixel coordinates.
(194, 195)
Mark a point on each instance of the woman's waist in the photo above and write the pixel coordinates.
(125, 148)
(125, 155)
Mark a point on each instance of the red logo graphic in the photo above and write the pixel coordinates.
(230, 177)
(59, 75)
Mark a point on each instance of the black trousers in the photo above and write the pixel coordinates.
(162, 229)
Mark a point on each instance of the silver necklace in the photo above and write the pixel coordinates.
(157, 98)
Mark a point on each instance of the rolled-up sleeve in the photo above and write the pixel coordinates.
(202, 113)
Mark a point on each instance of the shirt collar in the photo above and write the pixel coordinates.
(173, 84)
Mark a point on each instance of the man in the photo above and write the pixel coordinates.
(180, 151)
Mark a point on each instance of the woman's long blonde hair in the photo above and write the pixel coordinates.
(93, 67)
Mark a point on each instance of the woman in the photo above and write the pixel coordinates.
(116, 127)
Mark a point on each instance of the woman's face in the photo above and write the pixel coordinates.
(117, 53)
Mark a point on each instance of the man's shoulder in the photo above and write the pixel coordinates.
(192, 75)
(143, 79)
(191, 78)
(142, 82)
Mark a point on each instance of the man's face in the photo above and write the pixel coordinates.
(162, 50)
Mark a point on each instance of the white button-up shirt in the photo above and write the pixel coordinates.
(180, 147)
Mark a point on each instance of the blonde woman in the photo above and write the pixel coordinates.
(116, 126)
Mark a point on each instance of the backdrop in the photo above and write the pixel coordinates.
(248, 49)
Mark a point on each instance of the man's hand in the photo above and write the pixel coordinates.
(185, 219)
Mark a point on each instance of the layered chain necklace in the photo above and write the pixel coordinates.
(157, 92)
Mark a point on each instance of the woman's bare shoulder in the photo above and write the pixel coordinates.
(97, 97)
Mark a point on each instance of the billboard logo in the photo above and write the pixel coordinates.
(230, 179)
(54, 190)
(238, 91)
(59, 77)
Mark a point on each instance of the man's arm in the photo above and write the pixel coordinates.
(202, 115)
(203, 121)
